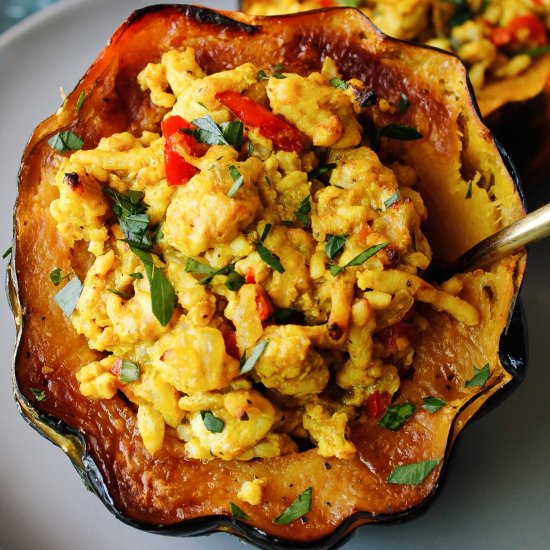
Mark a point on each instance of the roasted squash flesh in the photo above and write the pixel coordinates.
(458, 153)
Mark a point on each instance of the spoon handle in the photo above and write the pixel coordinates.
(531, 228)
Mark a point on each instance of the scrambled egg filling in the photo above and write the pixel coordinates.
(496, 39)
(254, 285)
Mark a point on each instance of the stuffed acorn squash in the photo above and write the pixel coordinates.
(224, 321)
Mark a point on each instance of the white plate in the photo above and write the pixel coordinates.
(498, 488)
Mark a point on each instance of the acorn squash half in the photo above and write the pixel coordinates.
(170, 493)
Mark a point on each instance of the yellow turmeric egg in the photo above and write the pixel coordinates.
(251, 284)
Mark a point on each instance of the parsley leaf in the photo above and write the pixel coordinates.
(56, 276)
(234, 281)
(129, 372)
(480, 377)
(534, 52)
(136, 275)
(194, 266)
(469, 190)
(392, 199)
(338, 83)
(212, 423)
(349, 3)
(39, 394)
(277, 70)
(320, 170)
(163, 295)
(66, 141)
(68, 296)
(236, 512)
(120, 293)
(80, 101)
(134, 222)
(298, 508)
(265, 232)
(403, 104)
(461, 14)
(130, 212)
(359, 259)
(334, 244)
(238, 181)
(262, 75)
(412, 474)
(303, 211)
(396, 416)
(269, 258)
(207, 131)
(287, 315)
(7, 253)
(199, 268)
(433, 404)
(395, 131)
(255, 354)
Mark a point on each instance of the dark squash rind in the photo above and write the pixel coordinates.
(92, 465)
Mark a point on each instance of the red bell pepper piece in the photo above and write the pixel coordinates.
(249, 276)
(230, 340)
(263, 305)
(252, 114)
(500, 36)
(178, 170)
(377, 404)
(534, 26)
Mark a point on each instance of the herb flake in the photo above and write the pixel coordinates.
(234, 281)
(390, 201)
(287, 315)
(269, 258)
(56, 276)
(299, 507)
(480, 377)
(469, 190)
(212, 423)
(359, 259)
(236, 512)
(396, 416)
(349, 3)
(163, 295)
(338, 83)
(130, 212)
(335, 244)
(395, 131)
(433, 404)
(304, 210)
(120, 293)
(80, 101)
(7, 253)
(66, 141)
(403, 104)
(207, 131)
(238, 181)
(320, 170)
(68, 296)
(248, 364)
(412, 474)
(39, 394)
(129, 372)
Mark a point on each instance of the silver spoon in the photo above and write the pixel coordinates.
(528, 230)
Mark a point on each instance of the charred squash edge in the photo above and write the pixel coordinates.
(512, 353)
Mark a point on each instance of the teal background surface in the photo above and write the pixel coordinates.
(13, 11)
